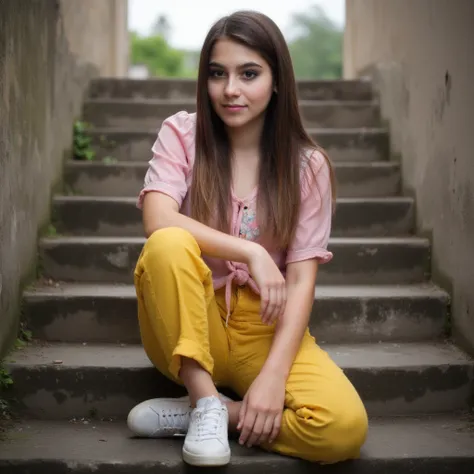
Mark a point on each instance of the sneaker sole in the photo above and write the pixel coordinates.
(205, 461)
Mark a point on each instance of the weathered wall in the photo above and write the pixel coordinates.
(97, 31)
(421, 55)
(49, 49)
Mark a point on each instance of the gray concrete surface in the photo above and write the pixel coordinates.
(352, 144)
(125, 178)
(399, 260)
(175, 88)
(70, 312)
(45, 65)
(392, 378)
(139, 114)
(421, 59)
(438, 445)
(107, 217)
(99, 371)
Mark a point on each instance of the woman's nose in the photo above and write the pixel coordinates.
(231, 88)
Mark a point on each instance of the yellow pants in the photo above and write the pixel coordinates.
(180, 315)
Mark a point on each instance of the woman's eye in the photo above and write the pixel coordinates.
(250, 74)
(216, 73)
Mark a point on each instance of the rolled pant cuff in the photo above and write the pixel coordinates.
(192, 350)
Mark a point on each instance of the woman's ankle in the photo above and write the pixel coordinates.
(233, 409)
(197, 380)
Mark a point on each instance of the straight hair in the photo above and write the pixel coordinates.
(282, 145)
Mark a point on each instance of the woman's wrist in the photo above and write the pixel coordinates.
(251, 250)
(270, 368)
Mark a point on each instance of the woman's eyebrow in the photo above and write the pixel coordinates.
(240, 66)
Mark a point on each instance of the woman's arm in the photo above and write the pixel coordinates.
(161, 211)
(290, 328)
(262, 407)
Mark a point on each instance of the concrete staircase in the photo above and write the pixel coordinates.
(376, 311)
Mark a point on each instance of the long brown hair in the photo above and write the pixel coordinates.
(282, 143)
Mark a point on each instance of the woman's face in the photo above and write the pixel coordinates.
(240, 83)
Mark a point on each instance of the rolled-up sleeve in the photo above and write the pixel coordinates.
(314, 225)
(169, 167)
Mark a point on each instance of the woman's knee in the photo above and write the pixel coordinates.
(345, 435)
(331, 438)
(169, 243)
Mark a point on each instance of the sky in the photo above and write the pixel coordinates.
(190, 20)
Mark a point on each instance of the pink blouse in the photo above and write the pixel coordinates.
(170, 172)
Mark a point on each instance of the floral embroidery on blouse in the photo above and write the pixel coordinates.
(249, 229)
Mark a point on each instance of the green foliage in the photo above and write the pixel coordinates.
(316, 47)
(154, 52)
(51, 231)
(5, 379)
(24, 337)
(82, 142)
(20, 344)
(25, 334)
(6, 382)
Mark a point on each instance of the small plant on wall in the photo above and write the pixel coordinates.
(82, 142)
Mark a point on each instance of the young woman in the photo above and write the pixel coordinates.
(237, 207)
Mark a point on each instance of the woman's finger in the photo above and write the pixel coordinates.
(270, 305)
(257, 429)
(283, 301)
(275, 428)
(264, 300)
(242, 411)
(267, 430)
(277, 309)
(247, 425)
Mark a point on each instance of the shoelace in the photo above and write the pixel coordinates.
(173, 419)
(208, 422)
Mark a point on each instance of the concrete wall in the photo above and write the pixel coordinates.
(421, 56)
(97, 31)
(49, 49)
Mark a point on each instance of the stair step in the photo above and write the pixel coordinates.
(412, 445)
(353, 144)
(392, 379)
(103, 216)
(186, 89)
(139, 114)
(356, 260)
(72, 312)
(125, 178)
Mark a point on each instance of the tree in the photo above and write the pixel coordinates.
(160, 58)
(316, 47)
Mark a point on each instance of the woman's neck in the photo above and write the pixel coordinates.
(247, 137)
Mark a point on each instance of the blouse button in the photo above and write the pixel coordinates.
(245, 207)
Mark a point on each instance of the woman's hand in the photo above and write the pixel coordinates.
(270, 282)
(261, 410)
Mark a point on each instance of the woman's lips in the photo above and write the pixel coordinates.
(234, 108)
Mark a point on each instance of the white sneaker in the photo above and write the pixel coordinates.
(207, 442)
(162, 417)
